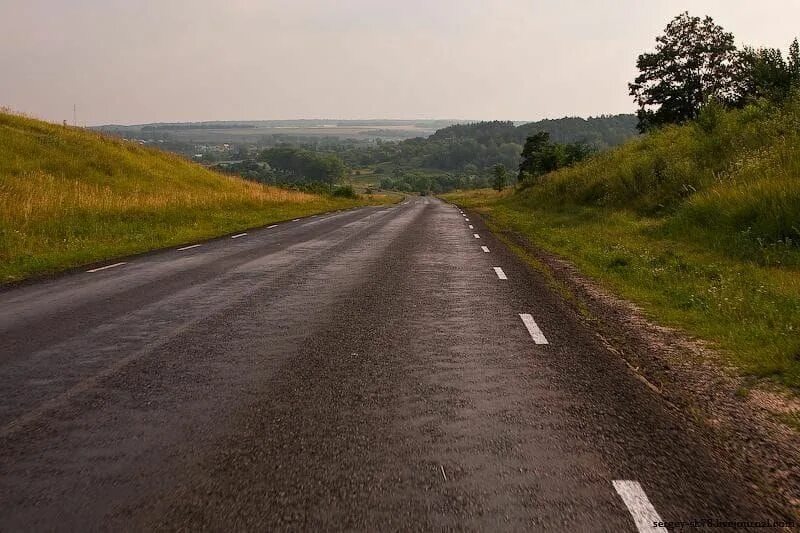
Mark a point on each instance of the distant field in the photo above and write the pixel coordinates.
(69, 197)
(253, 131)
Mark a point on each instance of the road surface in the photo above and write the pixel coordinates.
(385, 368)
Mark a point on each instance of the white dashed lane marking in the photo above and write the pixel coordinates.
(106, 267)
(500, 273)
(189, 247)
(536, 333)
(295, 219)
(643, 513)
(272, 226)
(470, 227)
(485, 249)
(476, 235)
(238, 235)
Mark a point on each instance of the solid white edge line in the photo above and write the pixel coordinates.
(295, 219)
(485, 249)
(238, 235)
(644, 514)
(500, 273)
(106, 267)
(536, 333)
(476, 235)
(189, 247)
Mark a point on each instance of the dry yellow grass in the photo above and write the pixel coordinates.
(38, 195)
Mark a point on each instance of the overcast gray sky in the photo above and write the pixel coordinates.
(135, 61)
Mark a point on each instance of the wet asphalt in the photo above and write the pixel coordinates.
(363, 370)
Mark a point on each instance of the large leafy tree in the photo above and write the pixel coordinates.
(694, 60)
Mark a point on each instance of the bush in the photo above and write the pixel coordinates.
(344, 191)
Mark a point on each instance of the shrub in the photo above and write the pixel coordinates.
(344, 191)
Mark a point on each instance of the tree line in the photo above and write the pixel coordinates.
(479, 146)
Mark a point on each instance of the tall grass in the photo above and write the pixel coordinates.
(69, 197)
(34, 196)
(735, 174)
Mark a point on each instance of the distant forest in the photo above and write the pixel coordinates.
(477, 147)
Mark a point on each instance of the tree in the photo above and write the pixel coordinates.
(539, 156)
(500, 177)
(766, 74)
(576, 152)
(794, 60)
(695, 59)
(304, 165)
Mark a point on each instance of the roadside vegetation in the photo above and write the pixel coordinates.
(698, 221)
(70, 197)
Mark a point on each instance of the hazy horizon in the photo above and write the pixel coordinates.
(146, 62)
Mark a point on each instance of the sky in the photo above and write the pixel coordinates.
(140, 61)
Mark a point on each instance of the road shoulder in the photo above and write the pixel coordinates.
(744, 425)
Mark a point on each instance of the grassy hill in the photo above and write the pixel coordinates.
(699, 224)
(70, 197)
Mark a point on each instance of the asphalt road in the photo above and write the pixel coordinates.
(364, 370)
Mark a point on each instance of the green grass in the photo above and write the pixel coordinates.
(69, 197)
(696, 224)
(365, 179)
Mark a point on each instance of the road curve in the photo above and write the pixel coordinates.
(384, 368)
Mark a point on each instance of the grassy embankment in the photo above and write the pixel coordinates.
(69, 197)
(699, 225)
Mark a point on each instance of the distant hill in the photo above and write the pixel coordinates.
(269, 132)
(474, 148)
(599, 132)
(445, 145)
